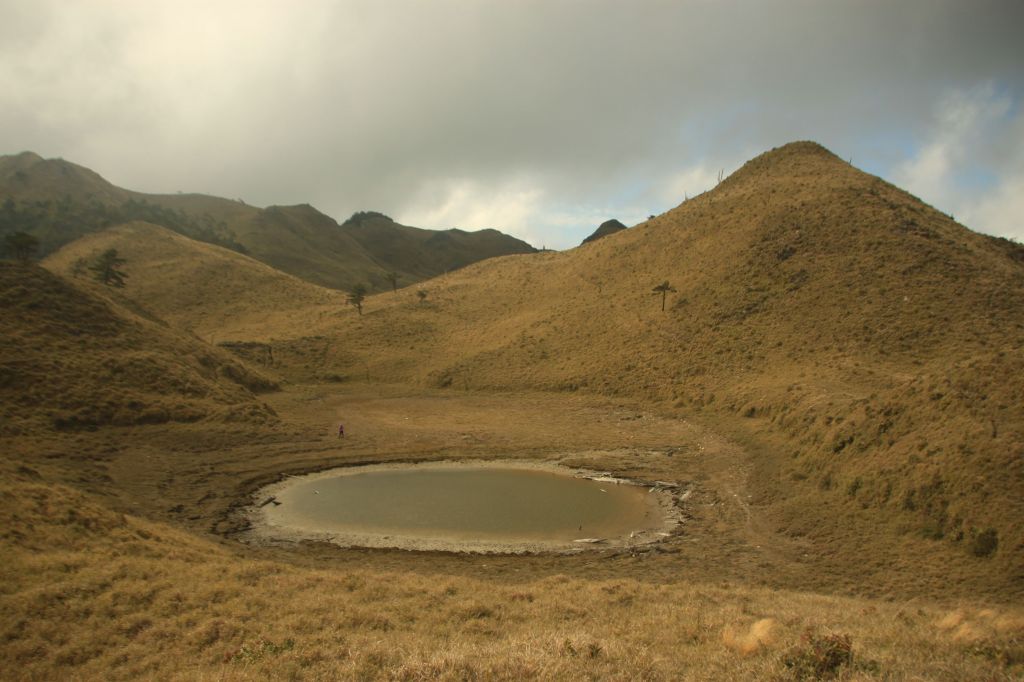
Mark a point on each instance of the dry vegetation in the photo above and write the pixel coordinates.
(184, 282)
(835, 380)
(92, 592)
(74, 360)
(869, 342)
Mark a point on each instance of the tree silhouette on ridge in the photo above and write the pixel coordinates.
(663, 289)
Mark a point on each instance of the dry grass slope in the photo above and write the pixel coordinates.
(215, 292)
(873, 342)
(74, 360)
(27, 176)
(93, 594)
(861, 349)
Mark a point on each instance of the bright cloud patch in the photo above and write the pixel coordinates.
(514, 209)
(689, 183)
(526, 209)
(972, 162)
(1000, 212)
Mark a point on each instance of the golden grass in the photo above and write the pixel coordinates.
(75, 360)
(215, 292)
(98, 595)
(761, 634)
(835, 382)
(870, 342)
(92, 592)
(298, 240)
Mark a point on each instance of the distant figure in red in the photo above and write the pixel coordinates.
(341, 430)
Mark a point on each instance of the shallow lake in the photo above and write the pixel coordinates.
(463, 506)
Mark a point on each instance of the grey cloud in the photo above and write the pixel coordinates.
(360, 105)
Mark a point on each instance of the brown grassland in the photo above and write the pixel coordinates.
(835, 380)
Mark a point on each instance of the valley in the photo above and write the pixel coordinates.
(832, 384)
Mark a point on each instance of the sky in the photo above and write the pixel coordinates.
(540, 118)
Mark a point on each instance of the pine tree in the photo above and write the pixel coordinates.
(356, 297)
(106, 268)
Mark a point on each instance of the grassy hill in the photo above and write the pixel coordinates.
(835, 377)
(872, 342)
(73, 360)
(215, 292)
(58, 201)
(867, 343)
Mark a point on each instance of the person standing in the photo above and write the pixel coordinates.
(341, 430)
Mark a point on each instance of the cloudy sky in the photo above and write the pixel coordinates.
(541, 118)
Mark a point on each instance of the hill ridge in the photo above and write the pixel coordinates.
(73, 359)
(607, 228)
(58, 201)
(213, 291)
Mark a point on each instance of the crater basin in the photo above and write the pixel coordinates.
(460, 506)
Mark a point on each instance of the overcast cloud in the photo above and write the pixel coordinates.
(539, 118)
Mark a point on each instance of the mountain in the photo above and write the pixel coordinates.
(421, 254)
(604, 229)
(29, 177)
(873, 340)
(71, 359)
(58, 201)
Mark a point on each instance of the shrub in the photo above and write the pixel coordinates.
(819, 656)
(854, 486)
(985, 543)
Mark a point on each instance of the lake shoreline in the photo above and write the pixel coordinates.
(663, 500)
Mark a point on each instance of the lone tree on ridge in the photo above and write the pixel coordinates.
(392, 277)
(356, 296)
(21, 245)
(663, 289)
(106, 268)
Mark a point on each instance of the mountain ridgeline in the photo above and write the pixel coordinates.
(57, 202)
(423, 254)
(604, 229)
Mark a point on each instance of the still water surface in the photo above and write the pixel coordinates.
(472, 503)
